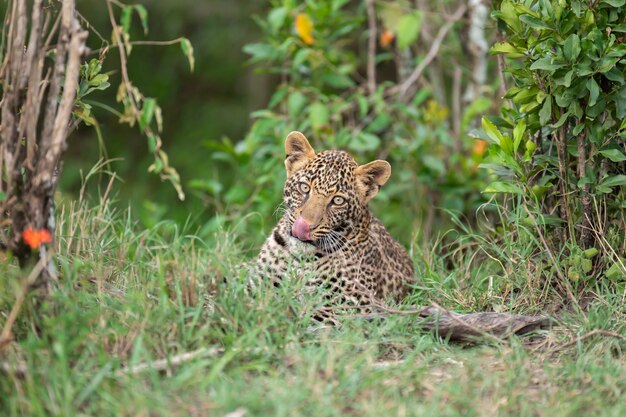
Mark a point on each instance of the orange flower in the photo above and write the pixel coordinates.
(479, 148)
(304, 28)
(386, 37)
(36, 238)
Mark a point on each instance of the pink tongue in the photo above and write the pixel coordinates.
(300, 229)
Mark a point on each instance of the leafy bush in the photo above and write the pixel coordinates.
(559, 149)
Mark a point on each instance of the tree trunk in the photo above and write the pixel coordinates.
(32, 137)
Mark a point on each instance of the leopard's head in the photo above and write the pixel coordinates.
(326, 193)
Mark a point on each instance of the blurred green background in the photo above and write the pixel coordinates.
(256, 79)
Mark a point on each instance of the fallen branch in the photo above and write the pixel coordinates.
(473, 326)
(469, 327)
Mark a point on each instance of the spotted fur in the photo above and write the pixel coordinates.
(346, 250)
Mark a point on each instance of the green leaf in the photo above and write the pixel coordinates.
(295, 103)
(277, 97)
(614, 3)
(510, 16)
(336, 80)
(590, 253)
(571, 47)
(408, 29)
(616, 75)
(615, 272)
(3, 196)
(492, 131)
(506, 48)
(594, 91)
(147, 112)
(187, 49)
(578, 128)
(276, 18)
(364, 142)
(615, 155)
(613, 181)
(561, 120)
(434, 163)
(152, 142)
(125, 19)
(566, 80)
(318, 115)
(301, 56)
(518, 134)
(260, 51)
(99, 80)
(143, 16)
(546, 64)
(502, 187)
(533, 22)
(546, 111)
(363, 105)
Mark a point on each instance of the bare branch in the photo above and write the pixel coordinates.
(477, 46)
(432, 53)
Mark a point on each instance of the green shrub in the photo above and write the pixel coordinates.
(559, 149)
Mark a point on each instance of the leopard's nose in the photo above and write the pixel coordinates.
(301, 229)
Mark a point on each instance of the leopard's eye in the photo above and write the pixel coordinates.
(338, 200)
(304, 188)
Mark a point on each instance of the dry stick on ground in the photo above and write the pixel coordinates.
(467, 327)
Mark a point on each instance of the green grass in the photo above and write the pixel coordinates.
(129, 298)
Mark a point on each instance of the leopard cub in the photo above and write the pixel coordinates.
(329, 235)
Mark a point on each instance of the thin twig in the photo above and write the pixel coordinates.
(122, 50)
(140, 43)
(5, 336)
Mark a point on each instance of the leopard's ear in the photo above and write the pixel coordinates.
(370, 177)
(298, 152)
